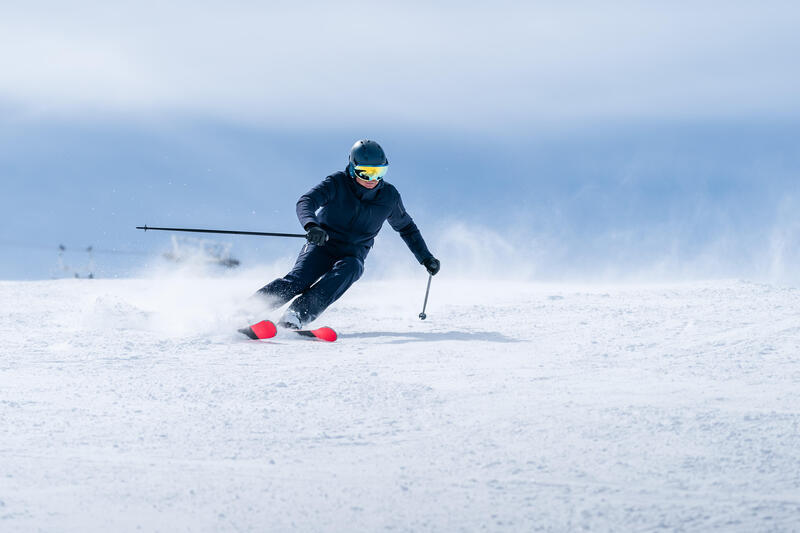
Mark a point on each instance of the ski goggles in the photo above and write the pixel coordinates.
(370, 173)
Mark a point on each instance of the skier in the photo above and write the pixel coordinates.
(354, 205)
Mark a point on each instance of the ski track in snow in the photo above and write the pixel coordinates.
(130, 404)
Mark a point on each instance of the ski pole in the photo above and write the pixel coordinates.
(422, 315)
(227, 232)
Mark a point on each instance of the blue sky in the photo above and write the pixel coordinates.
(577, 139)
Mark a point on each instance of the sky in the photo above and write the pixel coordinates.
(543, 139)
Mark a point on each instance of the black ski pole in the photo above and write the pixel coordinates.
(422, 315)
(227, 232)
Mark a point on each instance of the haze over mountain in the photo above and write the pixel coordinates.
(580, 141)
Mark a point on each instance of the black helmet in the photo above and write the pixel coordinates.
(369, 153)
(368, 161)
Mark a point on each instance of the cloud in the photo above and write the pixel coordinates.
(450, 64)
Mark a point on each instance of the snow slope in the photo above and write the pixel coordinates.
(128, 404)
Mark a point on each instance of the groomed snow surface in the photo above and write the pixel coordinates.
(133, 404)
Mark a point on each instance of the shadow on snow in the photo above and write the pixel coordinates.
(408, 336)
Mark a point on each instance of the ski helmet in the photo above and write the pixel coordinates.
(368, 161)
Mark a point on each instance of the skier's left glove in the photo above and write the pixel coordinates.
(432, 265)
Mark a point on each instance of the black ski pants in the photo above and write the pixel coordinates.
(320, 276)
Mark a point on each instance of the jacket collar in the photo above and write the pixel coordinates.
(362, 193)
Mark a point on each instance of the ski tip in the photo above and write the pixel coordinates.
(261, 330)
(324, 334)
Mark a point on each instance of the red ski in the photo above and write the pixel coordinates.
(261, 330)
(324, 334)
(266, 330)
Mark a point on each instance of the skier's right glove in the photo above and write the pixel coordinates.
(316, 235)
(432, 265)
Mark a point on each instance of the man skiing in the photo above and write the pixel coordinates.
(353, 205)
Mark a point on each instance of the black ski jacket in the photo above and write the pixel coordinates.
(353, 215)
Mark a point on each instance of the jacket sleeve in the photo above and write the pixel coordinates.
(402, 223)
(317, 197)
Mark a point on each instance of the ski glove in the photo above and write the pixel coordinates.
(432, 265)
(316, 235)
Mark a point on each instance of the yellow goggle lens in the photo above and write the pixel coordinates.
(371, 173)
